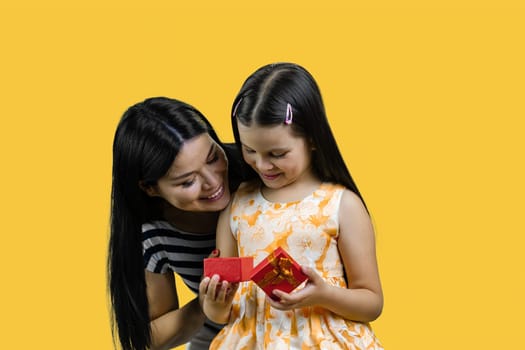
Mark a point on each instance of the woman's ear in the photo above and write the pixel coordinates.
(150, 190)
(311, 144)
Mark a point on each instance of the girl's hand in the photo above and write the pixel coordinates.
(312, 294)
(217, 298)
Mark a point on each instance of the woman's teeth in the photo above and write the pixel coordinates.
(217, 194)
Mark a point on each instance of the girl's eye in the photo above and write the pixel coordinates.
(280, 155)
(214, 159)
(249, 151)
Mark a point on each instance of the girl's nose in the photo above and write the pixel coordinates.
(262, 164)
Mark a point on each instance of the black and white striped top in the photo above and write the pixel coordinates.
(167, 248)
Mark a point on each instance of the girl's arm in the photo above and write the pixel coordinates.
(218, 295)
(170, 325)
(363, 299)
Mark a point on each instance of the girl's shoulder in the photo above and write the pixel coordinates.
(342, 197)
(351, 202)
(332, 187)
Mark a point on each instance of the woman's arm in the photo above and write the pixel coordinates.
(170, 325)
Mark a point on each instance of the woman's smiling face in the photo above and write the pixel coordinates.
(198, 178)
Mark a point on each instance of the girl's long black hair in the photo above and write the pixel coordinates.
(147, 140)
(263, 100)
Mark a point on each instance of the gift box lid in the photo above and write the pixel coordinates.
(278, 271)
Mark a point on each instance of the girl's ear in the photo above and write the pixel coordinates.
(150, 190)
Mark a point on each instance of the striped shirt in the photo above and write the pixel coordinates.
(167, 248)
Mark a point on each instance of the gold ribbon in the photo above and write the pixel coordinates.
(282, 270)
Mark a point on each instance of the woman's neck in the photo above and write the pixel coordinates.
(193, 222)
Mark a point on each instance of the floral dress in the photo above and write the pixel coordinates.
(308, 230)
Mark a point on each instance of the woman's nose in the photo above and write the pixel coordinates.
(210, 179)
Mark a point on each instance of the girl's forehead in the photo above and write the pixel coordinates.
(263, 136)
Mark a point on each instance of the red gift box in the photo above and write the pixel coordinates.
(278, 271)
(229, 269)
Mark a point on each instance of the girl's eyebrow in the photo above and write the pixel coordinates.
(279, 149)
(178, 177)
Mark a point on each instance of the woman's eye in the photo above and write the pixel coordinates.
(214, 159)
(188, 183)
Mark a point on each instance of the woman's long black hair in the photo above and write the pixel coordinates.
(263, 100)
(147, 140)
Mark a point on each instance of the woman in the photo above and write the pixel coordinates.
(170, 180)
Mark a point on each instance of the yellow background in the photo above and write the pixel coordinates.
(426, 99)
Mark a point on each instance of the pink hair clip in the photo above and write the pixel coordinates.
(289, 114)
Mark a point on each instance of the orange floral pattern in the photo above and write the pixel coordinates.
(308, 231)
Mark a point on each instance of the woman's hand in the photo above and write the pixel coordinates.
(217, 297)
(312, 294)
(214, 254)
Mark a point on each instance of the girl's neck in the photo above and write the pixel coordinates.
(296, 191)
(193, 222)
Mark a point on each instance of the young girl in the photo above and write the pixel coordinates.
(307, 203)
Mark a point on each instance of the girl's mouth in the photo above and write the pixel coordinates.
(269, 177)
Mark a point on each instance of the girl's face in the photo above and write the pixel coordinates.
(198, 178)
(276, 154)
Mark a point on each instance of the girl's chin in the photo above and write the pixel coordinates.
(273, 185)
